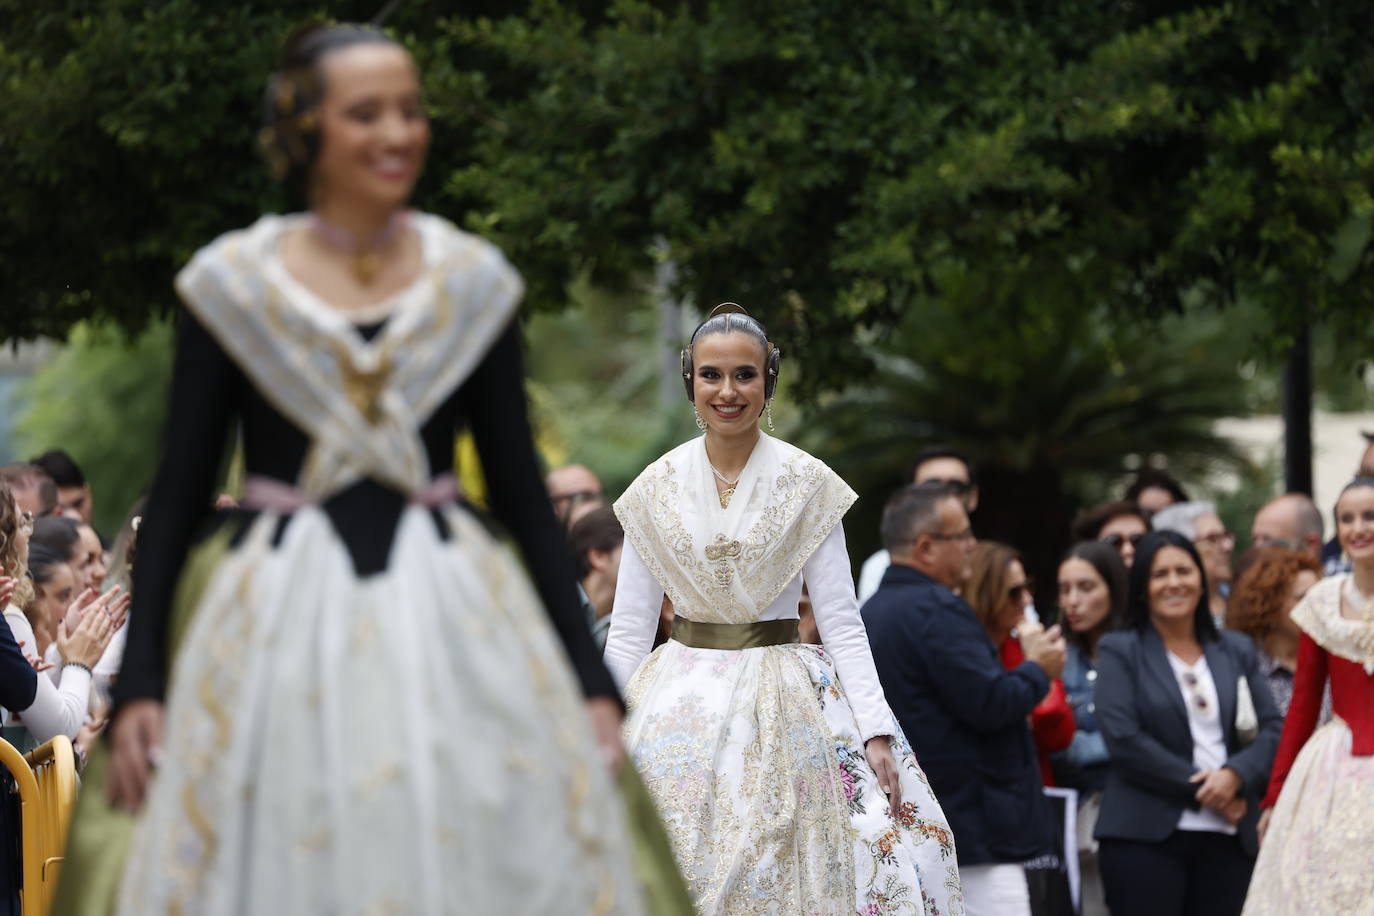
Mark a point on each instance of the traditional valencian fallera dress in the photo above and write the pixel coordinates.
(751, 743)
(369, 709)
(1315, 857)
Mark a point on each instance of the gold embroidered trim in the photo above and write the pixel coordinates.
(805, 502)
(361, 406)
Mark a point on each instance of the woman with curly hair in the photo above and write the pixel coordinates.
(1260, 607)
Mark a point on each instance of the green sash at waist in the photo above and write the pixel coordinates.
(735, 636)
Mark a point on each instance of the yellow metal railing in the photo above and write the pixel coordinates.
(45, 780)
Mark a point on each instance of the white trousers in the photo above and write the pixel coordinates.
(995, 890)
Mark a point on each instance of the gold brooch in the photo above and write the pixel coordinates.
(363, 388)
(720, 553)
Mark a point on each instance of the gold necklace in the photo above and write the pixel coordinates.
(730, 485)
(364, 254)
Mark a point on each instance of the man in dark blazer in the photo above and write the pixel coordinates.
(964, 714)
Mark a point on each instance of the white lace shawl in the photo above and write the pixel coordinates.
(1319, 616)
(362, 402)
(727, 565)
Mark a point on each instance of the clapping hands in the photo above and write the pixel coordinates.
(96, 617)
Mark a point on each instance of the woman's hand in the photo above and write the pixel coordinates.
(1219, 787)
(878, 752)
(606, 720)
(114, 601)
(1263, 827)
(7, 586)
(98, 624)
(85, 738)
(135, 748)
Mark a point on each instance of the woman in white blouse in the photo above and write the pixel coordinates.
(59, 705)
(782, 775)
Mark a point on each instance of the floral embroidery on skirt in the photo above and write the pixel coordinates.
(756, 762)
(1315, 857)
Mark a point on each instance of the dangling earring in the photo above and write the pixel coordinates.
(701, 424)
(768, 412)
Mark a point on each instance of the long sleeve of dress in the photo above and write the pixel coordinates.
(198, 426)
(501, 429)
(1309, 681)
(842, 632)
(634, 619)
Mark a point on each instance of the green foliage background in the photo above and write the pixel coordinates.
(957, 194)
(103, 398)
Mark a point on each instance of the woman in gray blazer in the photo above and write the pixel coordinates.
(1192, 730)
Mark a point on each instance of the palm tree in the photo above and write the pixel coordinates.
(1051, 407)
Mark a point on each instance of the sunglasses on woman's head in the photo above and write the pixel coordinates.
(1116, 540)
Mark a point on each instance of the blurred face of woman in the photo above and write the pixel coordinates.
(1175, 585)
(1355, 524)
(1016, 600)
(93, 557)
(56, 593)
(374, 133)
(727, 382)
(1083, 595)
(23, 531)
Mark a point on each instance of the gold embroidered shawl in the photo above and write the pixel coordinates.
(361, 402)
(728, 565)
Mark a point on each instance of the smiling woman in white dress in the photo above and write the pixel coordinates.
(356, 700)
(769, 759)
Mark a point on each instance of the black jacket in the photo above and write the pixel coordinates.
(1141, 712)
(964, 714)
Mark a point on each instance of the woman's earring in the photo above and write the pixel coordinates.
(701, 424)
(768, 412)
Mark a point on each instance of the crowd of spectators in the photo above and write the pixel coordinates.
(1150, 700)
(1008, 706)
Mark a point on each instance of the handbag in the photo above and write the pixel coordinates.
(1247, 722)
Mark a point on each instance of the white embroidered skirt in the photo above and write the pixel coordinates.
(1315, 856)
(756, 762)
(412, 742)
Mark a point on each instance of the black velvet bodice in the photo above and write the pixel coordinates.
(209, 393)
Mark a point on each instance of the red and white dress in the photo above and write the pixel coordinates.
(1316, 855)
